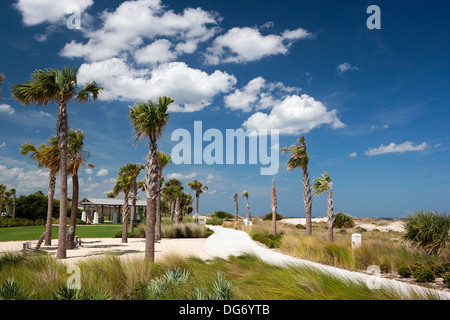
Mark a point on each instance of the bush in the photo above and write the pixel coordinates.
(438, 270)
(119, 235)
(6, 222)
(300, 226)
(215, 221)
(343, 221)
(385, 268)
(428, 230)
(269, 216)
(446, 266)
(222, 215)
(424, 274)
(446, 277)
(268, 239)
(415, 265)
(404, 271)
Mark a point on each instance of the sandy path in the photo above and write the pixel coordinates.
(225, 242)
(95, 247)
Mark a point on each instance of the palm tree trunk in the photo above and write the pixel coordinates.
(73, 212)
(177, 211)
(14, 205)
(274, 210)
(330, 214)
(158, 207)
(51, 193)
(151, 182)
(1, 202)
(172, 210)
(249, 217)
(307, 199)
(133, 207)
(236, 207)
(196, 209)
(126, 208)
(63, 137)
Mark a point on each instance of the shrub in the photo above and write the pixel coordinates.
(6, 222)
(446, 266)
(415, 265)
(215, 221)
(268, 239)
(438, 270)
(119, 235)
(385, 267)
(269, 216)
(428, 230)
(222, 215)
(424, 274)
(446, 277)
(343, 221)
(404, 271)
(300, 226)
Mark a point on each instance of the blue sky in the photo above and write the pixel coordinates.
(373, 105)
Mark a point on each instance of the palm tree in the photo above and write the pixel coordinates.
(274, 209)
(148, 120)
(47, 155)
(249, 217)
(236, 206)
(299, 159)
(7, 196)
(124, 183)
(2, 193)
(163, 160)
(132, 170)
(172, 189)
(320, 185)
(77, 159)
(13, 193)
(60, 86)
(2, 77)
(199, 189)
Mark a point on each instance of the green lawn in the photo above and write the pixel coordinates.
(34, 232)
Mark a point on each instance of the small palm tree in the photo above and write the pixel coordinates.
(2, 193)
(47, 155)
(324, 184)
(60, 86)
(236, 206)
(299, 159)
(249, 217)
(132, 170)
(13, 193)
(163, 160)
(148, 120)
(77, 159)
(198, 187)
(124, 184)
(274, 209)
(172, 189)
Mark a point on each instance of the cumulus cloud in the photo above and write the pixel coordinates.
(6, 109)
(396, 148)
(181, 176)
(248, 44)
(344, 67)
(257, 94)
(48, 11)
(157, 52)
(133, 23)
(295, 115)
(192, 89)
(24, 180)
(102, 172)
(352, 155)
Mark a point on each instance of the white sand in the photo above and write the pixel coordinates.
(392, 226)
(95, 247)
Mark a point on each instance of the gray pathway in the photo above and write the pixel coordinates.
(225, 242)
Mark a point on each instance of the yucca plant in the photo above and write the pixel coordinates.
(12, 290)
(428, 230)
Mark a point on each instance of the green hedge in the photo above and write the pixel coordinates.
(268, 239)
(6, 222)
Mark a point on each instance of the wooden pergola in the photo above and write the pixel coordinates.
(107, 206)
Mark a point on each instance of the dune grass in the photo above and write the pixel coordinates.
(244, 278)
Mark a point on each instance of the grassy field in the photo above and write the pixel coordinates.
(244, 278)
(34, 232)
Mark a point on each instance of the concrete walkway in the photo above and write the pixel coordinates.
(225, 242)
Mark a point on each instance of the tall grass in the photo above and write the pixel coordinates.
(243, 277)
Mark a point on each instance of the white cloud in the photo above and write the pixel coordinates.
(352, 155)
(248, 44)
(396, 148)
(344, 67)
(134, 22)
(181, 176)
(89, 171)
(295, 115)
(258, 94)
(156, 52)
(6, 109)
(24, 180)
(191, 89)
(209, 178)
(51, 11)
(102, 172)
